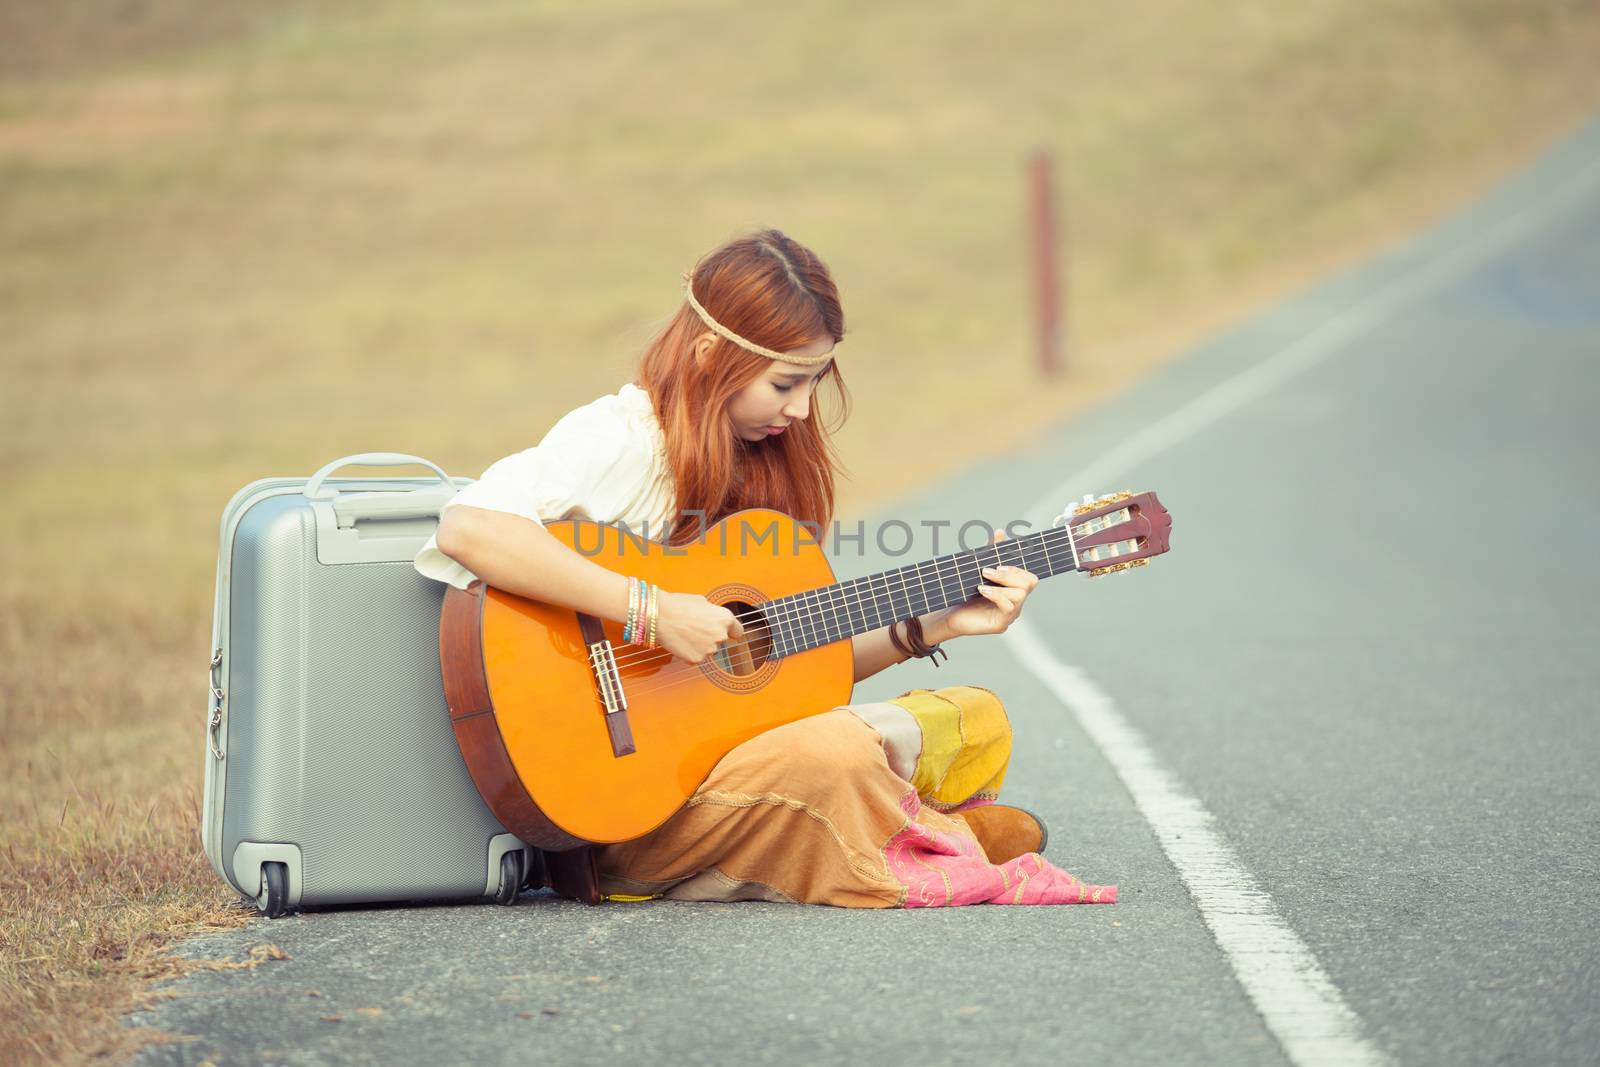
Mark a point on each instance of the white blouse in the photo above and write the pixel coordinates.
(605, 461)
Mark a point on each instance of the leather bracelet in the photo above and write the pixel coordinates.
(899, 645)
(919, 644)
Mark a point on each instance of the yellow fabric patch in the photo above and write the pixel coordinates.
(966, 744)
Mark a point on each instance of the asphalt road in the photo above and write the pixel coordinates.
(1370, 656)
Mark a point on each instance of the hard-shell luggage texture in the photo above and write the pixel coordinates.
(332, 771)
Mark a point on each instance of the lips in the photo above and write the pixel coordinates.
(775, 430)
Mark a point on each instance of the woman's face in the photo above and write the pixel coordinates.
(779, 396)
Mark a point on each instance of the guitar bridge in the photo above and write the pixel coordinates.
(608, 680)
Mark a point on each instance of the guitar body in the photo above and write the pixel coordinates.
(525, 695)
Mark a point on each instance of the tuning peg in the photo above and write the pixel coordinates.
(1117, 568)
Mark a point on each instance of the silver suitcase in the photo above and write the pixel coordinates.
(332, 771)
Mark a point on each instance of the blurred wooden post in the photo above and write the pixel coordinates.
(1047, 293)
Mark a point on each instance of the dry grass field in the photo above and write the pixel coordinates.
(240, 244)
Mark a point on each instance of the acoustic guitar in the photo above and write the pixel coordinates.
(575, 738)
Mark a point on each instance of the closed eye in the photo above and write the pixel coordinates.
(784, 385)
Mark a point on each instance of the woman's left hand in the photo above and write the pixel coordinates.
(998, 603)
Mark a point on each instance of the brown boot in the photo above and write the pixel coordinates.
(1006, 832)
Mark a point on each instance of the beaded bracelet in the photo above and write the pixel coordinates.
(638, 627)
(633, 611)
(653, 613)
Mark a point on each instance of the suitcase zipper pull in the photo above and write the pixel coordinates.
(214, 723)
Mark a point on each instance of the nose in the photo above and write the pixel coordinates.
(800, 406)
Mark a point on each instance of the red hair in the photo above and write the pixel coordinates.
(775, 292)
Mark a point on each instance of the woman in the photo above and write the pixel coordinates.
(870, 805)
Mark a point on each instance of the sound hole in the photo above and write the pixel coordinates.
(744, 658)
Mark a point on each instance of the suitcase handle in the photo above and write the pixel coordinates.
(314, 490)
(415, 504)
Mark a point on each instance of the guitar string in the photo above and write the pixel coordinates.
(918, 571)
(695, 670)
(678, 673)
(791, 622)
(833, 598)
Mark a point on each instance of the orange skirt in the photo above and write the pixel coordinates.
(812, 812)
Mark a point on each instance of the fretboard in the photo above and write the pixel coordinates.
(817, 617)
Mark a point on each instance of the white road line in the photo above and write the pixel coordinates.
(1299, 1003)
(1281, 976)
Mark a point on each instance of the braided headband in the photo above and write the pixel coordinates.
(705, 316)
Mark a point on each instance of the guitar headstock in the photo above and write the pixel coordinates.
(1117, 532)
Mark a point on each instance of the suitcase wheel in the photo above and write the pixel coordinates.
(510, 878)
(274, 896)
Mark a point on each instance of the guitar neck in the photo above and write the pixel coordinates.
(816, 617)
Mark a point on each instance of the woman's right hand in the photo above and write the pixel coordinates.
(692, 627)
